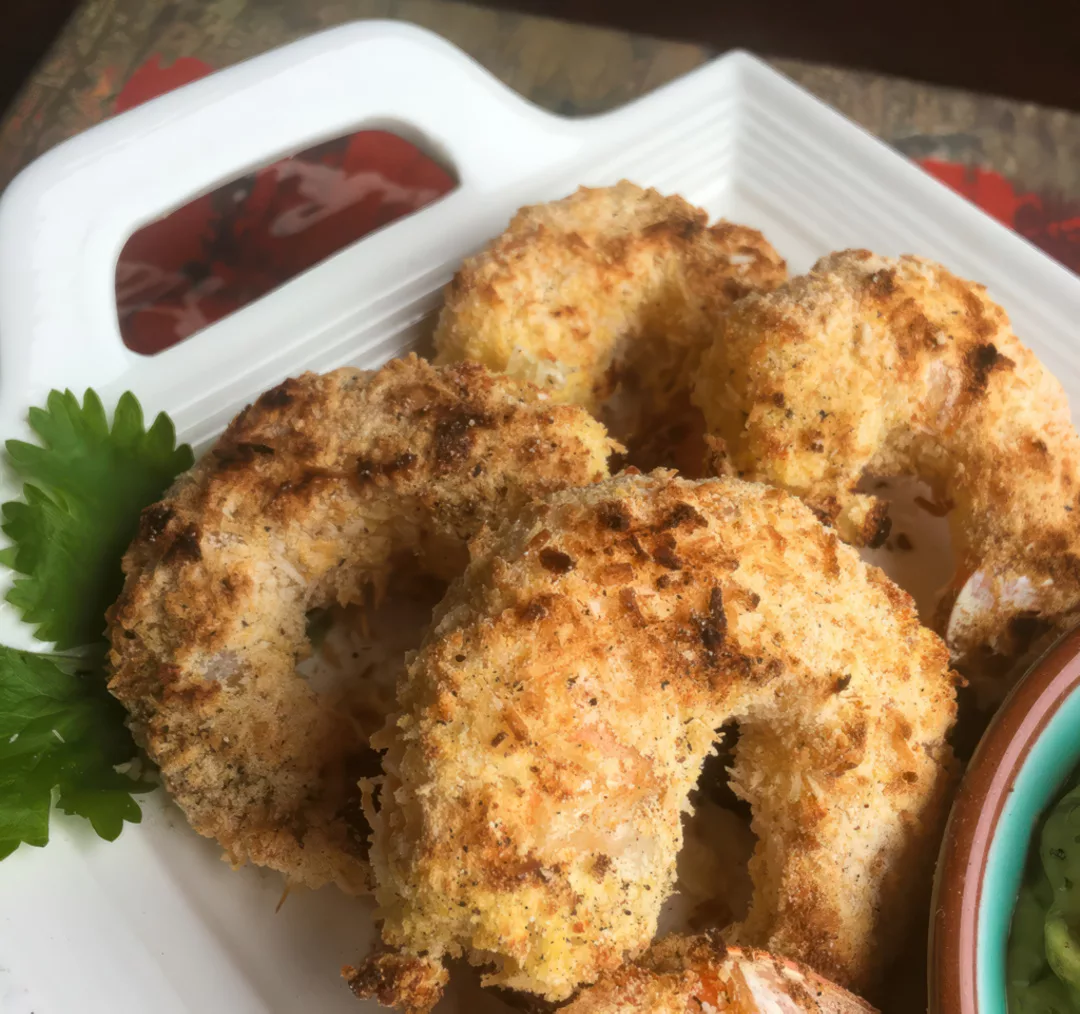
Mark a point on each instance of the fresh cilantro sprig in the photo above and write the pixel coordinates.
(62, 735)
(60, 730)
(85, 486)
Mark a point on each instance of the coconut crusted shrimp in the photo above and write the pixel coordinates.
(559, 713)
(315, 493)
(870, 366)
(681, 974)
(605, 299)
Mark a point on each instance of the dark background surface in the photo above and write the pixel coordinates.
(1024, 50)
(1028, 50)
(27, 27)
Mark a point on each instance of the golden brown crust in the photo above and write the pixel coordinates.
(890, 367)
(412, 985)
(680, 974)
(605, 299)
(558, 715)
(307, 499)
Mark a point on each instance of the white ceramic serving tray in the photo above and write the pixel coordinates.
(155, 922)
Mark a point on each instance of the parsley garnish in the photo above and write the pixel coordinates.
(61, 733)
(85, 487)
(60, 729)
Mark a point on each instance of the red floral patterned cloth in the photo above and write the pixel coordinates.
(1051, 224)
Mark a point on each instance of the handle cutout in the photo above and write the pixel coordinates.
(226, 249)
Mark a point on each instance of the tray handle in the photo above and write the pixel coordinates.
(64, 221)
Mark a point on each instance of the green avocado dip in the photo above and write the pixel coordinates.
(1043, 962)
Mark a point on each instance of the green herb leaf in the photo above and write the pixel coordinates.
(60, 730)
(85, 487)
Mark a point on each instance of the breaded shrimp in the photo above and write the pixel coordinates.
(681, 974)
(314, 493)
(605, 299)
(558, 715)
(869, 366)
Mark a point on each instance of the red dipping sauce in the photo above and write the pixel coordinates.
(229, 247)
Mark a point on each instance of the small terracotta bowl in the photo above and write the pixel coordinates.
(1030, 748)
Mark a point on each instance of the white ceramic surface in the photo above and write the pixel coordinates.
(154, 922)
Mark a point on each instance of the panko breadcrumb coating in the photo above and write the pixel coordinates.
(313, 494)
(871, 366)
(605, 299)
(558, 715)
(680, 975)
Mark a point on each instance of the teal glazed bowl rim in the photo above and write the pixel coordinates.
(1029, 749)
